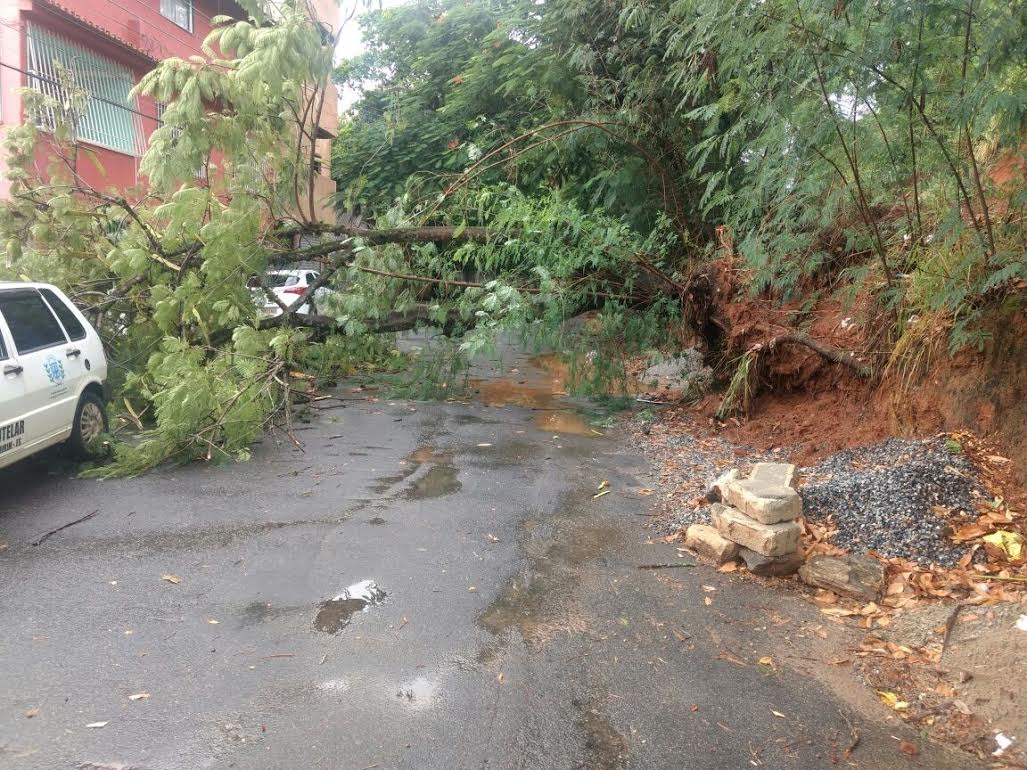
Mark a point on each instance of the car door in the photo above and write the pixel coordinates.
(12, 392)
(47, 403)
(75, 358)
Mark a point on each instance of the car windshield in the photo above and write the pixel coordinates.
(278, 280)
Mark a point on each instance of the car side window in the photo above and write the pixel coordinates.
(3, 348)
(72, 325)
(33, 327)
(311, 277)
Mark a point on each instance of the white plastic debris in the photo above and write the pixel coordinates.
(1021, 622)
(1003, 742)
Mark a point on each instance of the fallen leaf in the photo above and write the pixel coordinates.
(646, 491)
(731, 566)
(838, 612)
(500, 677)
(891, 700)
(707, 601)
(32, 712)
(603, 484)
(139, 696)
(491, 538)
(170, 579)
(709, 588)
(97, 725)
(778, 714)
(766, 660)
(908, 748)
(1010, 543)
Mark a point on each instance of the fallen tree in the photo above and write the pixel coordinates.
(163, 272)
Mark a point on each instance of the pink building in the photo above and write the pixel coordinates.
(110, 45)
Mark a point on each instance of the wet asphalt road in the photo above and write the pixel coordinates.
(517, 630)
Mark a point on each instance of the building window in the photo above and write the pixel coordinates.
(179, 11)
(176, 133)
(110, 118)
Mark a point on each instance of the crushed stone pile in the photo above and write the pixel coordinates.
(897, 497)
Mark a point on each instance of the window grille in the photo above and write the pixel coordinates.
(108, 119)
(176, 132)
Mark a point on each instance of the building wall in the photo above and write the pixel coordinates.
(134, 34)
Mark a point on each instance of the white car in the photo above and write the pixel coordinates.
(288, 286)
(53, 373)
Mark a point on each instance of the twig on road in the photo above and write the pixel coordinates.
(664, 566)
(52, 532)
(852, 731)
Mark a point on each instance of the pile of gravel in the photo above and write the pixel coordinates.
(883, 497)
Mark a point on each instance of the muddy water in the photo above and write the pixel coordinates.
(539, 390)
(440, 480)
(335, 614)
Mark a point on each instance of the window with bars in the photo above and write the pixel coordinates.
(109, 118)
(176, 132)
(178, 11)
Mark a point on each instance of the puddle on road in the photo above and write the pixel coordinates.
(334, 685)
(419, 692)
(440, 480)
(539, 392)
(539, 603)
(564, 421)
(427, 454)
(335, 614)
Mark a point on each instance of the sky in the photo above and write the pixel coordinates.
(350, 44)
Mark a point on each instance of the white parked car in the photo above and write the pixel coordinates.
(288, 286)
(53, 373)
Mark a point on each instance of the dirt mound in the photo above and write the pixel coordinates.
(810, 405)
(984, 391)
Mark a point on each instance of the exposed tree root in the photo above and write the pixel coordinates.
(845, 357)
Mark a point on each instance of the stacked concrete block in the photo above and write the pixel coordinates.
(759, 516)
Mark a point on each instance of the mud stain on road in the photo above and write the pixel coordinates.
(257, 612)
(605, 747)
(539, 602)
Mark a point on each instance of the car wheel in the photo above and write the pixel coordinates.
(90, 423)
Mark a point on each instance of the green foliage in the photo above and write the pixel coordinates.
(835, 141)
(610, 149)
